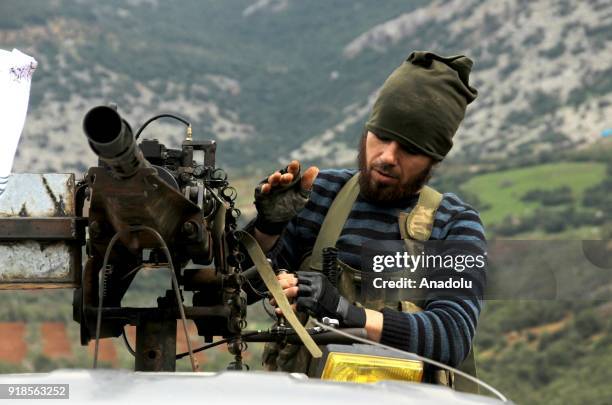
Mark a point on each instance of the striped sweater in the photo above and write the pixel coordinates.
(444, 331)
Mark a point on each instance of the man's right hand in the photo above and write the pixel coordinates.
(280, 196)
(315, 294)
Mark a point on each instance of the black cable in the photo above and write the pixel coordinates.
(272, 315)
(150, 120)
(217, 343)
(261, 293)
(129, 273)
(127, 343)
(265, 296)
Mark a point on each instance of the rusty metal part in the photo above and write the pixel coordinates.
(189, 228)
(143, 199)
(42, 229)
(40, 236)
(194, 279)
(39, 195)
(156, 345)
(130, 315)
(208, 146)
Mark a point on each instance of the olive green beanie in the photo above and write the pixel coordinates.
(423, 102)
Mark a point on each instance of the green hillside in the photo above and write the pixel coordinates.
(502, 191)
(541, 352)
(549, 351)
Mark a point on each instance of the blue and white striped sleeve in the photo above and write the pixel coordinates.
(445, 329)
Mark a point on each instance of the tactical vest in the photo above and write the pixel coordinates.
(415, 227)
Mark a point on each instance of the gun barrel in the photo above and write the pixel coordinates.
(111, 138)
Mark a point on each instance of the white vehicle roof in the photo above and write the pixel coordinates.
(232, 387)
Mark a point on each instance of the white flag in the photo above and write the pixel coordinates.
(16, 69)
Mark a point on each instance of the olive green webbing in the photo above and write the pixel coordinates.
(467, 366)
(418, 223)
(269, 278)
(333, 223)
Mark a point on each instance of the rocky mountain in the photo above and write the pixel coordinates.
(542, 71)
(277, 79)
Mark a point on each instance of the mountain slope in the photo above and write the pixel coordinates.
(272, 80)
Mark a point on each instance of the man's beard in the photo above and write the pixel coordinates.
(382, 193)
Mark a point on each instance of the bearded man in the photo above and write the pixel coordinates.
(409, 131)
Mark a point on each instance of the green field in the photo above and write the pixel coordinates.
(502, 191)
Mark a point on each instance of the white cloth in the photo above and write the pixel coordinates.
(16, 69)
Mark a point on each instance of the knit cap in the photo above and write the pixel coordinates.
(423, 102)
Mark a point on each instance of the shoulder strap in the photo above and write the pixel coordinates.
(467, 366)
(334, 221)
(418, 223)
(415, 225)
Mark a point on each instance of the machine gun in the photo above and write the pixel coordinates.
(158, 207)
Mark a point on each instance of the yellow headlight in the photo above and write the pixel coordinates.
(363, 368)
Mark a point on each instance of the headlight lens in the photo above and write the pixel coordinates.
(363, 368)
